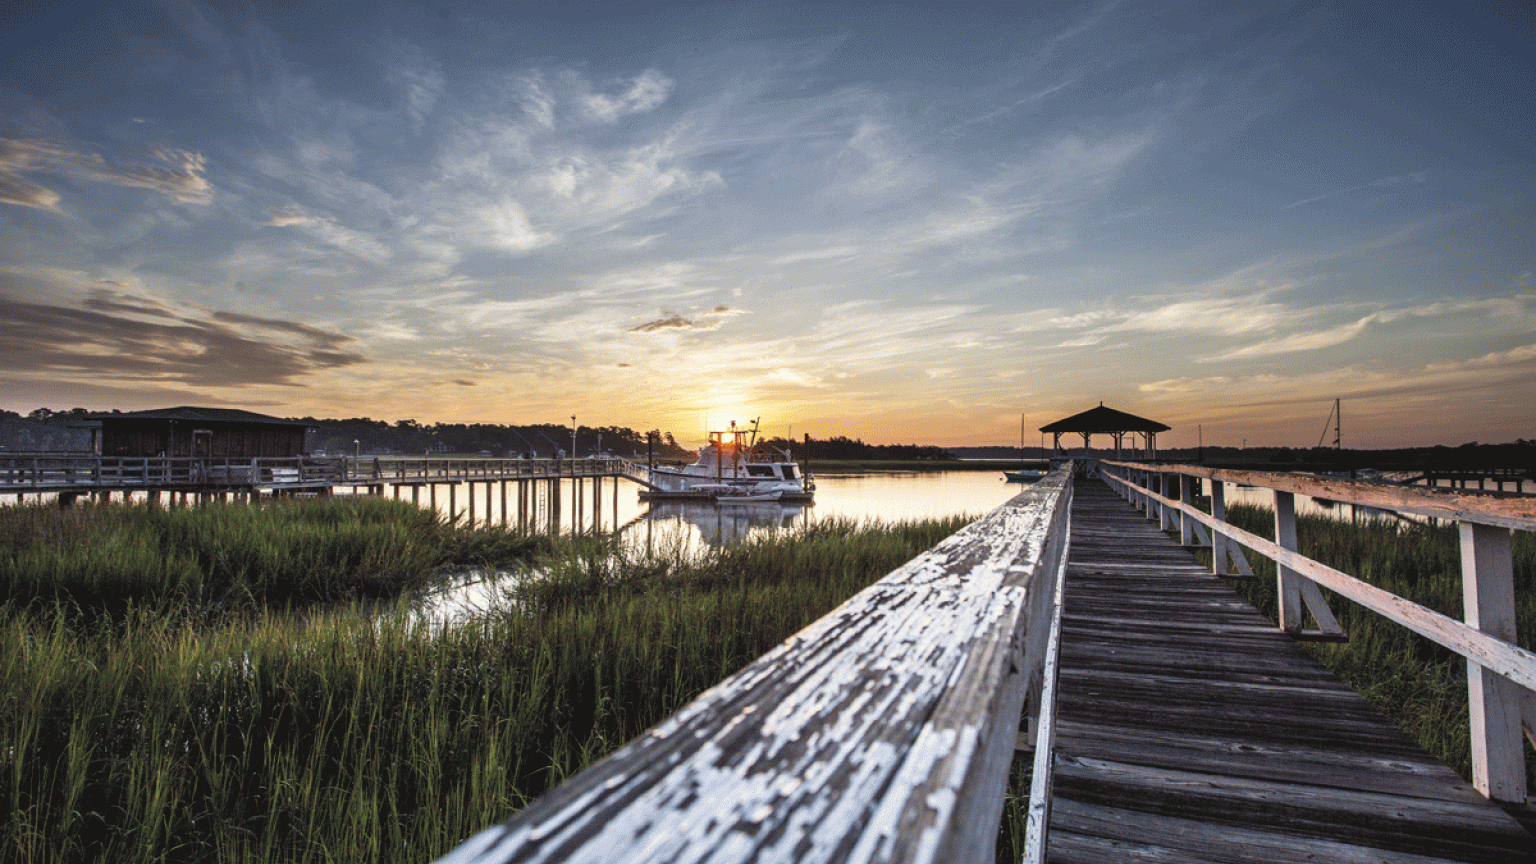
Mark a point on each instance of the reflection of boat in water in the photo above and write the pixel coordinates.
(735, 467)
(719, 526)
(732, 497)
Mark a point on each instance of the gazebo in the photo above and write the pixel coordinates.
(1108, 421)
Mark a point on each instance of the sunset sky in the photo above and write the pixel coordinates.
(896, 222)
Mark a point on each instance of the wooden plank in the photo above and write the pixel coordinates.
(1317, 762)
(1382, 820)
(1109, 835)
(884, 731)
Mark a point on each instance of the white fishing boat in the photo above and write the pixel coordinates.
(734, 468)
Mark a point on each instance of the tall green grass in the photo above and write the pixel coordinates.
(105, 558)
(1420, 685)
(154, 735)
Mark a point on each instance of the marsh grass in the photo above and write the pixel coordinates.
(155, 734)
(104, 559)
(1420, 685)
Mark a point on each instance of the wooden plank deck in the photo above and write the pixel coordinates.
(1191, 729)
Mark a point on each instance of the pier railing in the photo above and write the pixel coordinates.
(1501, 676)
(71, 472)
(883, 732)
(394, 469)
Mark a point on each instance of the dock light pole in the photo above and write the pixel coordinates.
(573, 436)
(357, 448)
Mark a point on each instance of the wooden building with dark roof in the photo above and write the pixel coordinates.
(1108, 421)
(227, 433)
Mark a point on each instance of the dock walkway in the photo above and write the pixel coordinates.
(1191, 729)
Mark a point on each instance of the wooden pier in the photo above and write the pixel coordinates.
(1159, 716)
(1190, 728)
(68, 476)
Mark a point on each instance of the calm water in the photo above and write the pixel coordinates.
(617, 505)
(668, 525)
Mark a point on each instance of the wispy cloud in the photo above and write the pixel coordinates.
(116, 333)
(183, 179)
(1310, 341)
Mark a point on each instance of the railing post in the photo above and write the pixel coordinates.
(1162, 509)
(1288, 580)
(1219, 540)
(1186, 498)
(1488, 598)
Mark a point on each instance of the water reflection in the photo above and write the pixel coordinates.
(713, 524)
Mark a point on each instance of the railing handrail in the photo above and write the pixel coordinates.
(883, 731)
(1486, 639)
(1501, 509)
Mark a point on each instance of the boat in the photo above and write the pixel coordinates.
(1023, 475)
(734, 468)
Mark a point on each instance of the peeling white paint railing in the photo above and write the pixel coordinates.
(1501, 676)
(882, 732)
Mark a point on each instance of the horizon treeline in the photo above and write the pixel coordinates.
(45, 429)
(840, 447)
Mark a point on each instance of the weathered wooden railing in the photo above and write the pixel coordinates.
(1500, 675)
(884, 731)
(42, 473)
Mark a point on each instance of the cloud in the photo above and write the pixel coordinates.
(646, 91)
(1297, 342)
(420, 83)
(1413, 179)
(1228, 316)
(1183, 386)
(117, 334)
(1317, 198)
(1492, 360)
(672, 322)
(15, 190)
(183, 180)
(331, 232)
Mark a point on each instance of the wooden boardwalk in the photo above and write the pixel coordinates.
(1191, 729)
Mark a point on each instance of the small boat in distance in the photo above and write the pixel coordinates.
(1023, 475)
(734, 468)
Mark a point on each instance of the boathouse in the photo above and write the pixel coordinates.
(1108, 421)
(196, 432)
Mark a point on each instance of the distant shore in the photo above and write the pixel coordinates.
(916, 466)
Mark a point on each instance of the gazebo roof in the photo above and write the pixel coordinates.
(1103, 419)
